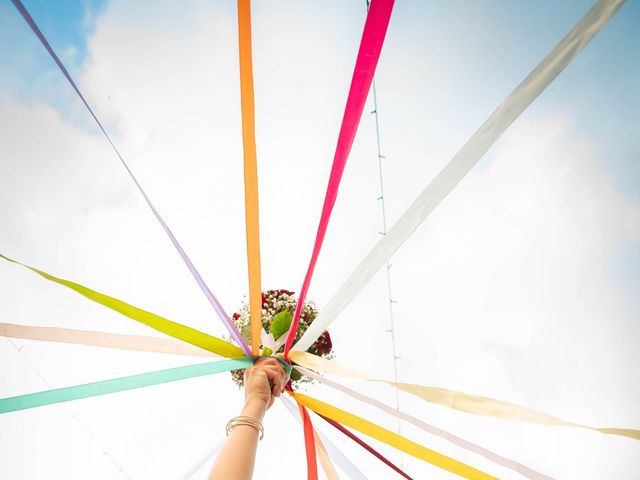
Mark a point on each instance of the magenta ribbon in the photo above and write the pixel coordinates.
(375, 29)
(210, 296)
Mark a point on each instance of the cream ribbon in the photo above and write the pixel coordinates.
(488, 454)
(323, 456)
(463, 402)
(103, 339)
(470, 153)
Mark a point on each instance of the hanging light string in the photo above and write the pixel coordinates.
(391, 330)
(72, 415)
(392, 327)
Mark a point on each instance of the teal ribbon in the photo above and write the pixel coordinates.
(66, 394)
(283, 363)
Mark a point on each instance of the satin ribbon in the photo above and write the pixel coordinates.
(161, 324)
(271, 343)
(309, 444)
(102, 339)
(488, 454)
(202, 461)
(464, 402)
(375, 29)
(323, 458)
(250, 172)
(321, 452)
(196, 275)
(391, 438)
(366, 446)
(66, 394)
(336, 454)
(471, 152)
(320, 449)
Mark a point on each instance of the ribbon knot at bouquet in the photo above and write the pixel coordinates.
(278, 309)
(276, 323)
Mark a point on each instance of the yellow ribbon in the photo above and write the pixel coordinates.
(390, 438)
(464, 402)
(161, 324)
(250, 172)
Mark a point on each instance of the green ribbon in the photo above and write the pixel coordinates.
(161, 324)
(59, 395)
(283, 363)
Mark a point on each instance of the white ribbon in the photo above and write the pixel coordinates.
(270, 342)
(202, 461)
(488, 454)
(510, 109)
(334, 452)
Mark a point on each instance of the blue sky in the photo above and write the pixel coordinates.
(600, 88)
(609, 71)
(516, 34)
(29, 72)
(66, 24)
(523, 284)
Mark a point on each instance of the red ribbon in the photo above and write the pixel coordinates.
(367, 447)
(375, 29)
(309, 444)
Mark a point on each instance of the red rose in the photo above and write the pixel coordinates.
(323, 345)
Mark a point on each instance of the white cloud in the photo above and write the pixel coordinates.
(513, 282)
(521, 292)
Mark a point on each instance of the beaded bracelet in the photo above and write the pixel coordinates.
(248, 421)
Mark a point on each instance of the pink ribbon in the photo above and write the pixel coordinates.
(375, 29)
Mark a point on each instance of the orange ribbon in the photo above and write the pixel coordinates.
(250, 172)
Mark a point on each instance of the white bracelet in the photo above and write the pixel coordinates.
(248, 421)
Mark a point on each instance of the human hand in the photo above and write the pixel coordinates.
(264, 381)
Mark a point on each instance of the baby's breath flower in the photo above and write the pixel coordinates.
(275, 302)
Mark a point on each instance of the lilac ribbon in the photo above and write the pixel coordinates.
(203, 286)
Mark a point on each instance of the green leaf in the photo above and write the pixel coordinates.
(246, 333)
(280, 324)
(295, 375)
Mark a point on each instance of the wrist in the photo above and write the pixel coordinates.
(254, 407)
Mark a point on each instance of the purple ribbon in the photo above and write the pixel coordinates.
(205, 289)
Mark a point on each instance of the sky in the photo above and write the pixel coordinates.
(521, 286)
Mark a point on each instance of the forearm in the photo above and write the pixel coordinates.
(237, 458)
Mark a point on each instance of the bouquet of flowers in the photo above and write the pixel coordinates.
(278, 308)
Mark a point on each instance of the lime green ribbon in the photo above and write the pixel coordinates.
(161, 324)
(76, 392)
(174, 329)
